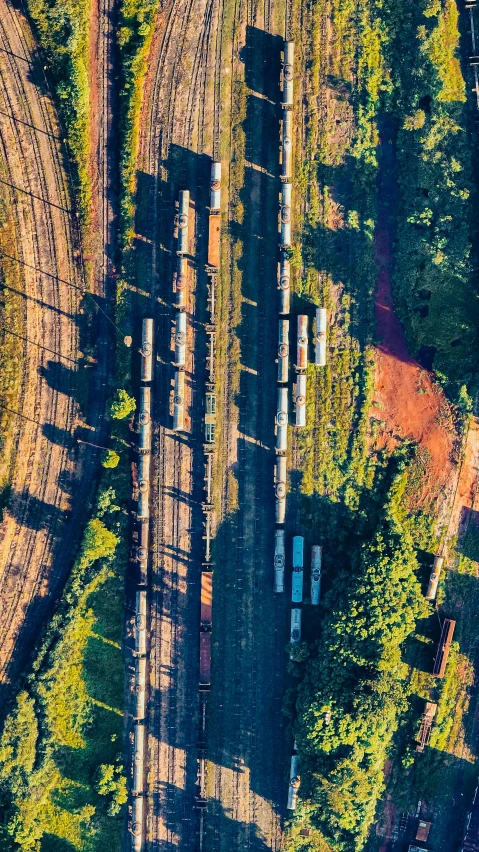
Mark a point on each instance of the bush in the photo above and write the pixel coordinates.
(110, 459)
(122, 405)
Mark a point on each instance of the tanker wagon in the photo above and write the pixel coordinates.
(280, 488)
(282, 421)
(294, 781)
(144, 420)
(137, 811)
(140, 688)
(215, 186)
(183, 215)
(288, 74)
(181, 282)
(316, 554)
(180, 339)
(302, 344)
(295, 634)
(300, 399)
(140, 623)
(434, 578)
(279, 560)
(147, 350)
(287, 145)
(143, 511)
(285, 231)
(142, 553)
(320, 338)
(179, 402)
(284, 283)
(298, 564)
(138, 786)
(283, 350)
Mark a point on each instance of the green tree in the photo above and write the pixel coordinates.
(122, 405)
(110, 459)
(98, 543)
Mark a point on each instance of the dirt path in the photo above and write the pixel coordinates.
(49, 496)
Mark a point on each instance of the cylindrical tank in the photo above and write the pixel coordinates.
(140, 623)
(181, 268)
(316, 553)
(294, 783)
(215, 186)
(434, 578)
(138, 785)
(295, 635)
(179, 402)
(183, 215)
(280, 488)
(143, 512)
(140, 688)
(284, 284)
(288, 74)
(320, 338)
(137, 818)
(279, 560)
(298, 562)
(298, 551)
(147, 350)
(142, 553)
(300, 399)
(302, 344)
(283, 350)
(285, 235)
(287, 145)
(144, 419)
(282, 421)
(180, 339)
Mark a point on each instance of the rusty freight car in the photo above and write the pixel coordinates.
(443, 648)
(205, 661)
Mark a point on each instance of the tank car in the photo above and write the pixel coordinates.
(143, 512)
(295, 634)
(181, 269)
(180, 339)
(142, 553)
(284, 284)
(316, 553)
(287, 145)
(300, 400)
(283, 350)
(294, 781)
(298, 564)
(215, 186)
(285, 233)
(179, 402)
(288, 74)
(140, 623)
(302, 344)
(434, 578)
(147, 350)
(279, 560)
(137, 821)
(282, 421)
(183, 214)
(320, 338)
(140, 688)
(138, 786)
(280, 488)
(144, 420)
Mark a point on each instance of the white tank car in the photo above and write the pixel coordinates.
(215, 186)
(137, 822)
(140, 623)
(302, 344)
(143, 512)
(285, 233)
(316, 554)
(284, 284)
(180, 339)
(147, 350)
(144, 420)
(279, 560)
(434, 578)
(282, 421)
(288, 74)
(183, 215)
(138, 786)
(280, 488)
(295, 634)
(283, 350)
(294, 782)
(179, 402)
(181, 268)
(140, 688)
(142, 553)
(298, 565)
(300, 399)
(287, 145)
(320, 338)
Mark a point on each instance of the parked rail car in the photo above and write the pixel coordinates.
(138, 786)
(181, 280)
(140, 689)
(279, 560)
(282, 421)
(294, 781)
(280, 489)
(288, 74)
(210, 417)
(287, 145)
(137, 824)
(144, 420)
(143, 511)
(179, 402)
(147, 350)
(434, 578)
(285, 218)
(206, 599)
(444, 647)
(320, 338)
(205, 661)
(300, 399)
(284, 284)
(424, 734)
(302, 344)
(316, 554)
(283, 350)
(295, 633)
(180, 339)
(142, 553)
(215, 186)
(298, 565)
(214, 234)
(183, 222)
(140, 623)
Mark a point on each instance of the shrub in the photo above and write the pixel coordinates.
(122, 405)
(110, 459)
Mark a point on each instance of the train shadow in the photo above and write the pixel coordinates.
(36, 514)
